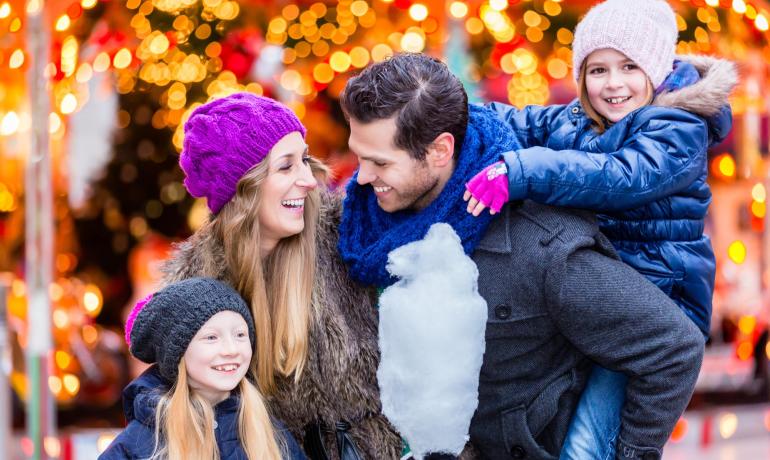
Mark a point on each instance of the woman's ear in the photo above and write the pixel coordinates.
(441, 150)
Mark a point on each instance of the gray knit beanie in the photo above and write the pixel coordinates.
(161, 326)
(643, 30)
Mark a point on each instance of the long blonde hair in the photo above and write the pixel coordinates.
(184, 425)
(278, 288)
(600, 123)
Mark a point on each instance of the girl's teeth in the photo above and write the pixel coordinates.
(617, 100)
(230, 367)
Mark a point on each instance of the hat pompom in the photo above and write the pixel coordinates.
(132, 317)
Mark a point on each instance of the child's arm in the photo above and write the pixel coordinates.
(530, 124)
(666, 154)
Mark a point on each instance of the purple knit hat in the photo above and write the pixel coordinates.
(225, 138)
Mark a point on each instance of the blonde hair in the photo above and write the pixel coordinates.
(278, 288)
(600, 123)
(184, 425)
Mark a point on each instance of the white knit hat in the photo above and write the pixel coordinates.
(643, 30)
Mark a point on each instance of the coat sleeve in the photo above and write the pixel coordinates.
(121, 446)
(665, 154)
(293, 451)
(530, 124)
(624, 323)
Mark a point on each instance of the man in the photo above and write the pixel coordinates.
(558, 297)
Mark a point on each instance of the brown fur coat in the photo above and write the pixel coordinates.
(340, 379)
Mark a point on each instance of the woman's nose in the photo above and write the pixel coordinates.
(307, 179)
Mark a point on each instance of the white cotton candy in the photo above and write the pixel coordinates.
(431, 337)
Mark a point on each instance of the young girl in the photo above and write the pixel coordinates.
(196, 402)
(632, 147)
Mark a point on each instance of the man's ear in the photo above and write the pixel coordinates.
(441, 150)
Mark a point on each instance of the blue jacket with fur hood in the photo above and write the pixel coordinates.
(646, 175)
(137, 440)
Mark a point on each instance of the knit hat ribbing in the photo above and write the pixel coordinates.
(227, 137)
(643, 30)
(160, 329)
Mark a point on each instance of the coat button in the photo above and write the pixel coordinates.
(502, 311)
(650, 456)
(518, 452)
(575, 110)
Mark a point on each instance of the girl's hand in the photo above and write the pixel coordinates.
(487, 189)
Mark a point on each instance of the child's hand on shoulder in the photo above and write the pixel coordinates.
(487, 189)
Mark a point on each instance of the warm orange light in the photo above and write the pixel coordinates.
(737, 252)
(458, 10)
(55, 384)
(63, 23)
(418, 12)
(17, 59)
(680, 430)
(758, 208)
(68, 104)
(71, 384)
(359, 8)
(723, 166)
(728, 424)
(63, 359)
(745, 351)
(122, 58)
(498, 5)
(557, 68)
(747, 324)
(474, 26)
(92, 300)
(761, 23)
(323, 73)
(90, 334)
(340, 61)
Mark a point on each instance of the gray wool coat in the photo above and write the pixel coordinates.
(340, 378)
(559, 299)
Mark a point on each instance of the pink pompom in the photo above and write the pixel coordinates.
(132, 317)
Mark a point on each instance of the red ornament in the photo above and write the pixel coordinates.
(74, 11)
(402, 4)
(239, 51)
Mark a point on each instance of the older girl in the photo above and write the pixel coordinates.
(632, 147)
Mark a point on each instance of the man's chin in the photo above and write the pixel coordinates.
(387, 207)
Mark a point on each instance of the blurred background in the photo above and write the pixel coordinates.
(93, 97)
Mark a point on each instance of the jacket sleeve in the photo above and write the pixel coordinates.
(666, 153)
(293, 451)
(530, 124)
(624, 323)
(119, 448)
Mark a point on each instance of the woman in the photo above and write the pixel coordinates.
(273, 235)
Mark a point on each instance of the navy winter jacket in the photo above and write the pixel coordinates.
(137, 440)
(646, 175)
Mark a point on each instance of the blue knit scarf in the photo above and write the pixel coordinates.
(368, 234)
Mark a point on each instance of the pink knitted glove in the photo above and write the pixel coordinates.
(489, 188)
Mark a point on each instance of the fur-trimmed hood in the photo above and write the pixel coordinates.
(707, 96)
(340, 378)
